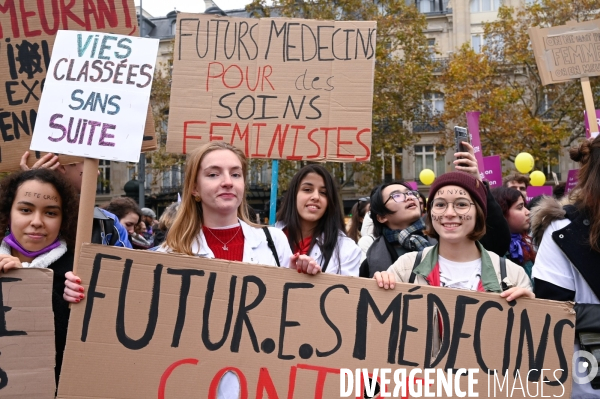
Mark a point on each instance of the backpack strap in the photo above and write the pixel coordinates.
(271, 245)
(413, 276)
(503, 273)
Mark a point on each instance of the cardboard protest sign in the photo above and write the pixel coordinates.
(170, 326)
(96, 96)
(27, 32)
(27, 334)
(589, 134)
(276, 88)
(492, 170)
(567, 52)
(534, 191)
(572, 178)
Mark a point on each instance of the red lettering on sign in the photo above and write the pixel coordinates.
(265, 383)
(366, 147)
(281, 137)
(212, 126)
(185, 135)
(295, 157)
(243, 136)
(258, 125)
(165, 377)
(315, 143)
(340, 142)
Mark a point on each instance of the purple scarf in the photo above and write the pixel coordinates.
(14, 244)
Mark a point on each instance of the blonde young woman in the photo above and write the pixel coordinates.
(212, 222)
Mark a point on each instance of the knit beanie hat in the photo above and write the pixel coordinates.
(473, 186)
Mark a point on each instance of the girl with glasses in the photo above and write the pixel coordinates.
(311, 217)
(397, 227)
(456, 217)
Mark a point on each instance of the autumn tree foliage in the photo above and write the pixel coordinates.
(518, 113)
(403, 73)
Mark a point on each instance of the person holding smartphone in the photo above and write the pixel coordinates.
(398, 223)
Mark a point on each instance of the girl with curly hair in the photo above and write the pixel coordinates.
(38, 211)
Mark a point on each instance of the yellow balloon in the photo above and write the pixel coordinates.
(427, 176)
(537, 178)
(524, 162)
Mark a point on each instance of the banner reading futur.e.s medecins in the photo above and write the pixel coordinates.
(276, 88)
(27, 33)
(170, 326)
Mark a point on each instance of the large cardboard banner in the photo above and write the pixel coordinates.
(27, 33)
(567, 52)
(96, 96)
(27, 352)
(276, 88)
(168, 326)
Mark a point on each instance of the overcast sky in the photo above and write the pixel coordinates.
(160, 8)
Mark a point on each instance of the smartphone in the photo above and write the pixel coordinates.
(461, 134)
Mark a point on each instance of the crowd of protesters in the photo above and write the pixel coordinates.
(463, 235)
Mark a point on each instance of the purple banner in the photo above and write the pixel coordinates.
(412, 184)
(571, 180)
(473, 126)
(492, 170)
(587, 124)
(533, 191)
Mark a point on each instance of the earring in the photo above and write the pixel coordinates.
(197, 198)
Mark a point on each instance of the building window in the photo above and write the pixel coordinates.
(427, 6)
(477, 42)
(173, 27)
(433, 103)
(392, 166)
(103, 185)
(426, 158)
(485, 5)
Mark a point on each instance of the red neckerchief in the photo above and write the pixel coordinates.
(304, 246)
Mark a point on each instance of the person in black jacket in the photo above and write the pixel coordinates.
(38, 212)
(398, 225)
(566, 265)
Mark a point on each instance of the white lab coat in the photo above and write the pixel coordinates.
(345, 259)
(257, 251)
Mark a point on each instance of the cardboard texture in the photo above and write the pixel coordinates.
(96, 97)
(27, 33)
(276, 88)
(168, 326)
(567, 52)
(27, 337)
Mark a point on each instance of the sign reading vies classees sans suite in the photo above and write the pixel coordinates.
(276, 88)
(96, 96)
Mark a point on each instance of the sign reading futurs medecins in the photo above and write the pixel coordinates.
(276, 88)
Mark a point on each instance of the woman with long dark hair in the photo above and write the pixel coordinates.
(311, 216)
(566, 266)
(512, 202)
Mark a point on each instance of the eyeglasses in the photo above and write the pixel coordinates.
(399, 197)
(461, 206)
